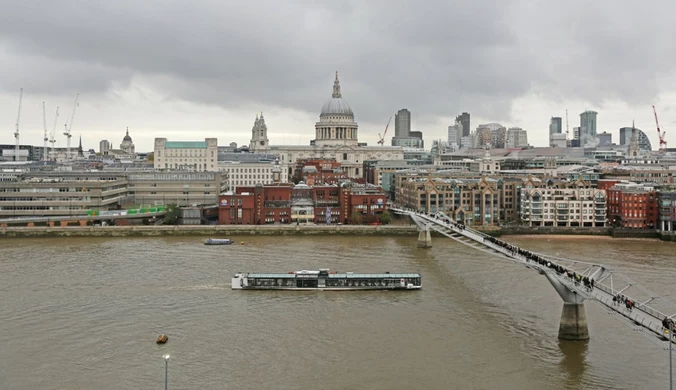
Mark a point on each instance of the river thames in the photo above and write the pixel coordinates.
(85, 313)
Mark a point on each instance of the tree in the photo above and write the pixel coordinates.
(171, 217)
(151, 157)
(356, 217)
(385, 218)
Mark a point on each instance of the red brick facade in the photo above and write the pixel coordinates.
(632, 206)
(274, 204)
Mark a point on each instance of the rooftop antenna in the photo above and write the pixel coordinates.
(69, 126)
(52, 139)
(16, 133)
(45, 139)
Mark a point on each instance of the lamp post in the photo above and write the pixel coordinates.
(671, 336)
(166, 371)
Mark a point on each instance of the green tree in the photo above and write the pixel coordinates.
(171, 217)
(385, 218)
(151, 157)
(356, 217)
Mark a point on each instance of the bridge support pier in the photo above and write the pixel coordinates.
(424, 238)
(573, 324)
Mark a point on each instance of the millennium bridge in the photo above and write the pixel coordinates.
(575, 281)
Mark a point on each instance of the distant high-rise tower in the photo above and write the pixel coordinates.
(403, 136)
(104, 146)
(463, 120)
(555, 126)
(402, 123)
(588, 128)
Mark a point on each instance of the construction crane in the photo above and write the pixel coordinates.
(52, 140)
(44, 126)
(69, 126)
(660, 133)
(16, 133)
(381, 141)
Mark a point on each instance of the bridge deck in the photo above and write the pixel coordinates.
(642, 317)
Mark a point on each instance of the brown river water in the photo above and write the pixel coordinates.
(84, 313)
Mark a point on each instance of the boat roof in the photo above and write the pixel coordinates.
(334, 276)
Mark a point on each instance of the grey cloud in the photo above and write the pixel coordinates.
(437, 58)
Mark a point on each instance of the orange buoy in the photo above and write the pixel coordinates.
(162, 339)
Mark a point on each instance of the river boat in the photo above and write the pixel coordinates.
(322, 279)
(218, 241)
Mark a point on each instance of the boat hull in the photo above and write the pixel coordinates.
(365, 288)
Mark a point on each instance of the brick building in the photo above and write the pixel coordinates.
(301, 203)
(632, 205)
(319, 171)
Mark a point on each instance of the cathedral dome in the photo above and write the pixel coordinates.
(336, 105)
(127, 138)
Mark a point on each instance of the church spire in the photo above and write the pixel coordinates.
(127, 130)
(336, 88)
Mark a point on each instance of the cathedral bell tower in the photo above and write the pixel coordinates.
(259, 136)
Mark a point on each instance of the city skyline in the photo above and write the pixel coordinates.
(160, 80)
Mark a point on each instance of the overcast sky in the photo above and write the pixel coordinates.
(186, 70)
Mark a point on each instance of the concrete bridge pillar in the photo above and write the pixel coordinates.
(50, 223)
(424, 238)
(573, 324)
(63, 223)
(83, 223)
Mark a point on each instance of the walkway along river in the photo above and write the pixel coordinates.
(85, 313)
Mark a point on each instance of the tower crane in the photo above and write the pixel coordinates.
(16, 133)
(381, 141)
(69, 126)
(44, 126)
(660, 133)
(52, 140)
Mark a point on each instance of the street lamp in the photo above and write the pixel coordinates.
(671, 336)
(166, 371)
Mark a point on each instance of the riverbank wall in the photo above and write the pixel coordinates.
(307, 230)
(207, 230)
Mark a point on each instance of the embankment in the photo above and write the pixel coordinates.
(206, 230)
(289, 230)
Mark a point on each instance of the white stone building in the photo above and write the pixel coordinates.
(252, 173)
(186, 155)
(547, 206)
(336, 137)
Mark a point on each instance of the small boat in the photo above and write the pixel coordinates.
(218, 241)
(162, 339)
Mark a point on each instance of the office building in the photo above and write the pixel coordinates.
(186, 155)
(587, 135)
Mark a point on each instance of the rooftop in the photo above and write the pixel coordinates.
(185, 145)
